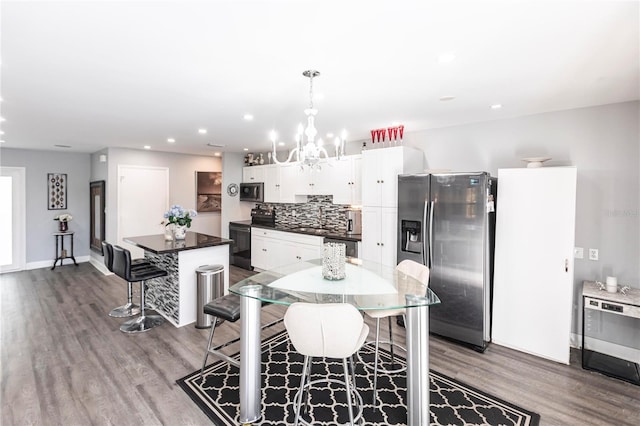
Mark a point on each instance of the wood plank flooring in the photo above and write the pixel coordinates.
(65, 362)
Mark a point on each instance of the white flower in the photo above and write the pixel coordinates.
(65, 217)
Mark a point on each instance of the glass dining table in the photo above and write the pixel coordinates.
(367, 286)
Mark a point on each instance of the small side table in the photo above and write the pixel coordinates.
(61, 253)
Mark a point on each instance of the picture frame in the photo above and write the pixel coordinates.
(208, 192)
(56, 191)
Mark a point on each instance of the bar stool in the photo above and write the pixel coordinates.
(129, 309)
(329, 330)
(226, 308)
(122, 267)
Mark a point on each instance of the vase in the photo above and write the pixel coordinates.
(63, 226)
(179, 232)
(168, 232)
(333, 261)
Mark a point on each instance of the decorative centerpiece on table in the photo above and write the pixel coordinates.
(333, 261)
(180, 219)
(63, 219)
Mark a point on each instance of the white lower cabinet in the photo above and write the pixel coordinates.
(379, 234)
(270, 248)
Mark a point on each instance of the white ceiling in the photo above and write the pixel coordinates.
(98, 74)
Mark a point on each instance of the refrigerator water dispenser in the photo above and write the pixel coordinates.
(411, 236)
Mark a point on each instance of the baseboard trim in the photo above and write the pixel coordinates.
(49, 263)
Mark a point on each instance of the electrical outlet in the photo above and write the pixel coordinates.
(578, 253)
(593, 254)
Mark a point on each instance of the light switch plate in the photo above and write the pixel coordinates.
(578, 253)
(593, 254)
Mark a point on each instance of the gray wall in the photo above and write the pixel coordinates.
(602, 142)
(39, 220)
(182, 180)
(233, 208)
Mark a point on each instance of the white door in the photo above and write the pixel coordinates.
(143, 198)
(12, 211)
(533, 281)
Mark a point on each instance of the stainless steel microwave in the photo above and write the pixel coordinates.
(252, 192)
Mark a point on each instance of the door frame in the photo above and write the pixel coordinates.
(19, 247)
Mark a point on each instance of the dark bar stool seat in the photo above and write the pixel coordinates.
(129, 309)
(122, 267)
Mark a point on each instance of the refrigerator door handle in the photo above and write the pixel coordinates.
(425, 246)
(431, 234)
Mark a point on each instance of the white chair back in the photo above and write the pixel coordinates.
(332, 330)
(415, 270)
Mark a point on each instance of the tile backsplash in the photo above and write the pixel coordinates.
(318, 212)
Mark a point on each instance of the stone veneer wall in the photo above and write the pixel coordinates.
(160, 295)
(318, 212)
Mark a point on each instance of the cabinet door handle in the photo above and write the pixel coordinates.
(382, 244)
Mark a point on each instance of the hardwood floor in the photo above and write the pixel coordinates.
(65, 362)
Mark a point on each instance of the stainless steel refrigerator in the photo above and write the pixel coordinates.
(447, 222)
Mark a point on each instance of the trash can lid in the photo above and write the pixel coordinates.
(209, 269)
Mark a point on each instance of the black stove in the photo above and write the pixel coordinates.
(265, 216)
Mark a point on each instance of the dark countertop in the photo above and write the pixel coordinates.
(312, 231)
(158, 245)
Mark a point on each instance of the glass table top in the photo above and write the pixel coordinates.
(367, 285)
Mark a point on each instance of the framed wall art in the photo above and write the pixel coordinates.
(208, 192)
(56, 191)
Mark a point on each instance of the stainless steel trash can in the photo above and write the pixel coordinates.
(210, 286)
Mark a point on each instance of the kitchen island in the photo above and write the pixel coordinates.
(174, 296)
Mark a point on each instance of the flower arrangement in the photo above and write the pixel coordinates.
(180, 216)
(65, 217)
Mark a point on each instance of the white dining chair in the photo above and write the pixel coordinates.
(329, 330)
(419, 272)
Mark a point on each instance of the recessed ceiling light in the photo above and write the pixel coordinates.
(1, 141)
(147, 147)
(496, 106)
(280, 143)
(248, 117)
(217, 154)
(1, 132)
(2, 119)
(329, 135)
(447, 98)
(202, 131)
(245, 149)
(171, 140)
(446, 57)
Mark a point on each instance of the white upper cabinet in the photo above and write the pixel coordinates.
(346, 180)
(253, 174)
(314, 182)
(279, 183)
(380, 170)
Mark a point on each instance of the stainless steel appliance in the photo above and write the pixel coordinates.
(240, 233)
(354, 222)
(351, 246)
(447, 222)
(252, 192)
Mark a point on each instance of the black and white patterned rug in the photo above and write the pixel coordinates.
(451, 402)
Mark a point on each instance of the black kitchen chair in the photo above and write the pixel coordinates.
(122, 267)
(129, 309)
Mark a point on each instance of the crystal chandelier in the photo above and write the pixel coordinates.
(308, 153)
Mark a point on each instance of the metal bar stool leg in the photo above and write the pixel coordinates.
(143, 322)
(129, 309)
